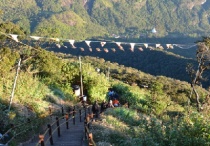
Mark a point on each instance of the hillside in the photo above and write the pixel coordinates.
(79, 19)
(46, 78)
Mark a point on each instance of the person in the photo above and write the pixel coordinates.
(110, 93)
(110, 103)
(103, 106)
(116, 102)
(95, 109)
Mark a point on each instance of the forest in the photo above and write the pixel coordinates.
(78, 19)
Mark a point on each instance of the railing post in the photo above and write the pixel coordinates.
(62, 111)
(74, 115)
(58, 126)
(90, 139)
(50, 134)
(85, 111)
(88, 120)
(80, 115)
(85, 128)
(41, 140)
(67, 121)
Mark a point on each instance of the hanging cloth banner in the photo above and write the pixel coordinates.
(55, 39)
(168, 45)
(118, 44)
(72, 43)
(88, 43)
(106, 50)
(14, 37)
(146, 45)
(103, 43)
(132, 46)
(184, 46)
(82, 49)
(157, 45)
(35, 37)
(113, 50)
(140, 49)
(98, 49)
(58, 45)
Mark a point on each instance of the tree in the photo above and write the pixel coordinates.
(203, 59)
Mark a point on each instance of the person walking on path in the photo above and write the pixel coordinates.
(95, 109)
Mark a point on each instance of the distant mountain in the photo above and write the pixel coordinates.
(81, 19)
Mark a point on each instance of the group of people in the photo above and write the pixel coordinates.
(113, 102)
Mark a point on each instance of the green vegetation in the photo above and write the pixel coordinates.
(80, 19)
(159, 113)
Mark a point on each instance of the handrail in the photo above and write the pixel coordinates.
(13, 128)
(51, 131)
(88, 134)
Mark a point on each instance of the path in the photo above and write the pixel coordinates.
(74, 136)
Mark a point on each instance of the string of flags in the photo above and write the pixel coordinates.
(133, 46)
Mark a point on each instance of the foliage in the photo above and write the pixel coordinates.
(139, 129)
(128, 19)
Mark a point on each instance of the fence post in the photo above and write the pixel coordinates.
(74, 115)
(41, 139)
(88, 120)
(62, 111)
(90, 138)
(85, 128)
(67, 121)
(58, 126)
(80, 115)
(85, 111)
(50, 134)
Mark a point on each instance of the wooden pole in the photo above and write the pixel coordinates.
(80, 70)
(14, 85)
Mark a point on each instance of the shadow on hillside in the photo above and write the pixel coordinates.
(154, 62)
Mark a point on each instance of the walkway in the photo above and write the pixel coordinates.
(74, 136)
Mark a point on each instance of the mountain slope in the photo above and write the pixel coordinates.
(106, 17)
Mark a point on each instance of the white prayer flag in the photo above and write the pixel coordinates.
(14, 37)
(106, 50)
(82, 49)
(88, 43)
(140, 49)
(58, 45)
(146, 45)
(118, 43)
(55, 39)
(157, 45)
(113, 49)
(171, 46)
(72, 43)
(168, 45)
(98, 49)
(103, 43)
(35, 37)
(132, 46)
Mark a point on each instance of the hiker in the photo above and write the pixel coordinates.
(95, 109)
(110, 93)
(116, 102)
(111, 104)
(103, 106)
